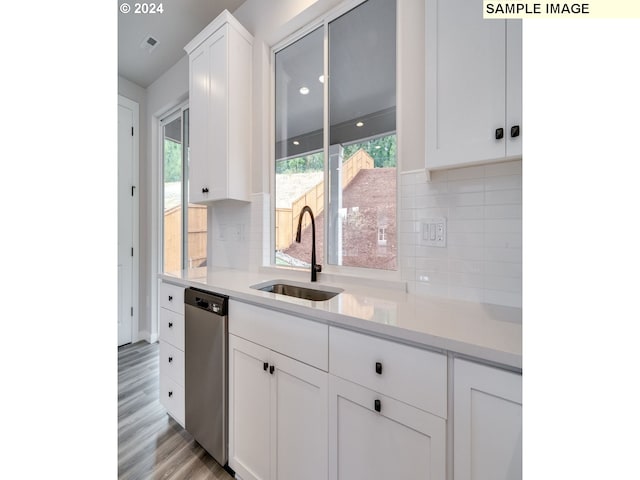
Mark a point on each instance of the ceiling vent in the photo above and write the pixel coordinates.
(149, 43)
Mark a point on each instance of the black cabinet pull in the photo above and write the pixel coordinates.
(170, 359)
(265, 365)
(170, 394)
(271, 369)
(170, 298)
(515, 131)
(379, 368)
(205, 190)
(499, 133)
(377, 406)
(170, 324)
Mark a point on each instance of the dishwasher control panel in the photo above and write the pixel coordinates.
(212, 302)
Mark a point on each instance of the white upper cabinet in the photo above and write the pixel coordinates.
(473, 85)
(220, 111)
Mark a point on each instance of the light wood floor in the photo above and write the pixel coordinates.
(151, 445)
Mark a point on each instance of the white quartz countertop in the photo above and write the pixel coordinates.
(487, 332)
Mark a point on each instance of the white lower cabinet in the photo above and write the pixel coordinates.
(171, 329)
(487, 416)
(398, 441)
(277, 415)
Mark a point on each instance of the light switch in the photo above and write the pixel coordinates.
(434, 232)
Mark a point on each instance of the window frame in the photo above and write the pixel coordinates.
(327, 268)
(168, 117)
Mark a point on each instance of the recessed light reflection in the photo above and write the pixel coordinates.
(321, 78)
(296, 142)
(360, 124)
(304, 90)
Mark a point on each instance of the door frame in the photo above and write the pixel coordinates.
(135, 108)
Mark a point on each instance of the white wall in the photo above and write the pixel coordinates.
(166, 92)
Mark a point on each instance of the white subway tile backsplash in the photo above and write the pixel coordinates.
(467, 186)
(503, 240)
(503, 197)
(503, 269)
(513, 255)
(424, 288)
(466, 173)
(459, 199)
(503, 225)
(503, 182)
(467, 266)
(465, 239)
(505, 168)
(468, 212)
(482, 260)
(465, 252)
(503, 211)
(465, 226)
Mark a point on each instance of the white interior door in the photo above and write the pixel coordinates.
(127, 165)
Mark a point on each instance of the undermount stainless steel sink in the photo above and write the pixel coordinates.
(291, 289)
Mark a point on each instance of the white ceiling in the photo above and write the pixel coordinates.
(180, 21)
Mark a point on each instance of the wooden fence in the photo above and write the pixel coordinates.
(196, 237)
(287, 218)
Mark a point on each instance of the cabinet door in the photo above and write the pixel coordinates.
(299, 420)
(487, 423)
(218, 115)
(514, 87)
(466, 81)
(198, 124)
(249, 409)
(208, 119)
(400, 441)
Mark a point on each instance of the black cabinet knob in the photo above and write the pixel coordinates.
(205, 190)
(265, 365)
(271, 369)
(170, 359)
(377, 406)
(170, 394)
(379, 368)
(170, 324)
(515, 131)
(499, 133)
(170, 298)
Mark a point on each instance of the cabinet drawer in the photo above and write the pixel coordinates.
(172, 362)
(411, 375)
(304, 340)
(171, 328)
(172, 297)
(172, 398)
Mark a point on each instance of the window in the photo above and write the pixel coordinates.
(342, 166)
(184, 225)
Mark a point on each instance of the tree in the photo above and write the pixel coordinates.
(381, 149)
(172, 161)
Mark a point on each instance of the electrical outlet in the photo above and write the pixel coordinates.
(434, 232)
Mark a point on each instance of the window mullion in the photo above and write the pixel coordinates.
(325, 126)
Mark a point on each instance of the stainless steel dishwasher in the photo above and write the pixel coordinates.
(206, 381)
